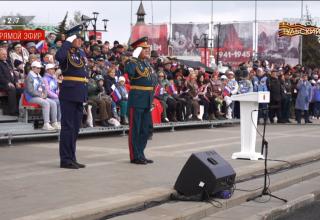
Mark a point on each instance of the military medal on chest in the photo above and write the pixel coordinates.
(75, 59)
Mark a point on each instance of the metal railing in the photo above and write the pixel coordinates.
(19, 131)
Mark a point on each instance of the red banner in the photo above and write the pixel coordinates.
(205, 59)
(98, 34)
(24, 35)
(233, 56)
(157, 35)
(235, 43)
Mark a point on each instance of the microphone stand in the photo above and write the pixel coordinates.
(265, 190)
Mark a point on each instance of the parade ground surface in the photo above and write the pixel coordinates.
(32, 186)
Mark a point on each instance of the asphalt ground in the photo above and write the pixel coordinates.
(310, 212)
(32, 183)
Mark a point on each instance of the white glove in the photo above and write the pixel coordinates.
(72, 38)
(137, 52)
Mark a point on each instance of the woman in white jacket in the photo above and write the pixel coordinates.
(19, 53)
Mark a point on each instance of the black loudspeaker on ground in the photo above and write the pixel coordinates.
(205, 171)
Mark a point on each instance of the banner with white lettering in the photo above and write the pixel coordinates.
(233, 42)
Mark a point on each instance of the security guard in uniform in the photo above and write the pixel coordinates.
(73, 93)
(140, 100)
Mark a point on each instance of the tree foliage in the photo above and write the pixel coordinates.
(310, 51)
(310, 46)
(76, 19)
(62, 27)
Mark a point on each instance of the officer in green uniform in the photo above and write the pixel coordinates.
(140, 100)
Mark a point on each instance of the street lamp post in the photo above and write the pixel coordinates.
(205, 47)
(203, 38)
(95, 17)
(218, 43)
(93, 21)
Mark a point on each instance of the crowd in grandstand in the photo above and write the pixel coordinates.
(30, 71)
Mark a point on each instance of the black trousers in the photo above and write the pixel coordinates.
(181, 109)
(311, 108)
(206, 105)
(13, 99)
(188, 105)
(212, 105)
(275, 110)
(71, 116)
(299, 113)
(172, 108)
(236, 109)
(285, 107)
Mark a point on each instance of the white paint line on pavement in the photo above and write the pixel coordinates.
(308, 135)
(153, 152)
(214, 141)
(105, 149)
(115, 151)
(112, 151)
(194, 142)
(220, 130)
(122, 149)
(186, 152)
(35, 163)
(55, 170)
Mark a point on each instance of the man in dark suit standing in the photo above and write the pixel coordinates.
(73, 93)
(139, 100)
(8, 82)
(274, 86)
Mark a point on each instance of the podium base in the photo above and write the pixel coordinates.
(247, 155)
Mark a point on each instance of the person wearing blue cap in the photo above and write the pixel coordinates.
(140, 100)
(73, 92)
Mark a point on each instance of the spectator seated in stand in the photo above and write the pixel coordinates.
(31, 47)
(123, 102)
(98, 101)
(9, 84)
(110, 85)
(168, 102)
(233, 87)
(18, 52)
(214, 94)
(19, 72)
(204, 101)
(35, 92)
(52, 87)
(191, 92)
(179, 92)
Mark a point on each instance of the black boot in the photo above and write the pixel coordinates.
(104, 123)
(122, 121)
(174, 117)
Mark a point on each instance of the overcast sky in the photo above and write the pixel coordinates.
(119, 12)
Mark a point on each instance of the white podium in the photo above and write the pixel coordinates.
(248, 123)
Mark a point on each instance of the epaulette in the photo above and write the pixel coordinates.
(133, 60)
